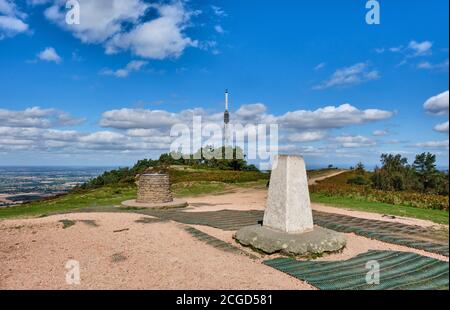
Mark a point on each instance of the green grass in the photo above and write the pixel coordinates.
(199, 188)
(105, 196)
(110, 196)
(437, 216)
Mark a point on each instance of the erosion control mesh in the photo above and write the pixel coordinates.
(397, 271)
(217, 243)
(417, 237)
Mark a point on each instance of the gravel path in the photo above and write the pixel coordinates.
(33, 254)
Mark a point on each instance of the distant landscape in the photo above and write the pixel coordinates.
(24, 184)
(395, 188)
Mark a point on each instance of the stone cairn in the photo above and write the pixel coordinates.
(153, 188)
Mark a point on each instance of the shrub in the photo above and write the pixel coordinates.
(358, 180)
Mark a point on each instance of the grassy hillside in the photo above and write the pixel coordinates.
(188, 181)
(338, 191)
(185, 182)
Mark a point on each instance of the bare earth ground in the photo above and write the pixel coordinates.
(34, 252)
(115, 252)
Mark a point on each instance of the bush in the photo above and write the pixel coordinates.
(358, 180)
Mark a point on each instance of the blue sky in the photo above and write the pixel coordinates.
(106, 92)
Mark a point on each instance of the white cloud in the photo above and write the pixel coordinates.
(349, 141)
(49, 54)
(11, 20)
(307, 136)
(36, 117)
(159, 38)
(433, 144)
(438, 105)
(442, 127)
(119, 25)
(331, 117)
(420, 48)
(132, 66)
(219, 29)
(412, 49)
(141, 130)
(100, 19)
(380, 133)
(250, 111)
(218, 11)
(103, 137)
(349, 76)
(320, 66)
(426, 65)
(138, 118)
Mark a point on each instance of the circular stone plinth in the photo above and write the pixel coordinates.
(317, 241)
(176, 203)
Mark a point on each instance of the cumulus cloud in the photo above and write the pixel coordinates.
(219, 29)
(349, 141)
(119, 25)
(349, 76)
(307, 136)
(249, 111)
(49, 54)
(138, 118)
(132, 66)
(426, 65)
(101, 19)
(442, 127)
(438, 105)
(420, 48)
(332, 117)
(36, 117)
(380, 133)
(159, 38)
(11, 19)
(412, 49)
(143, 130)
(433, 144)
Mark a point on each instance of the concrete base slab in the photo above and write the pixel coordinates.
(269, 241)
(176, 203)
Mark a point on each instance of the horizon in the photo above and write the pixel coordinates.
(109, 90)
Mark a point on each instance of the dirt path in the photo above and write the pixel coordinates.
(117, 252)
(313, 181)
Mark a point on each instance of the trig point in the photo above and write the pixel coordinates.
(288, 205)
(288, 222)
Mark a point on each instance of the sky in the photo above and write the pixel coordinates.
(107, 91)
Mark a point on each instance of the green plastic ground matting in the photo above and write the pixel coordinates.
(213, 241)
(417, 237)
(427, 239)
(398, 271)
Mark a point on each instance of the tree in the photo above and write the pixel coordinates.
(360, 169)
(425, 168)
(392, 174)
